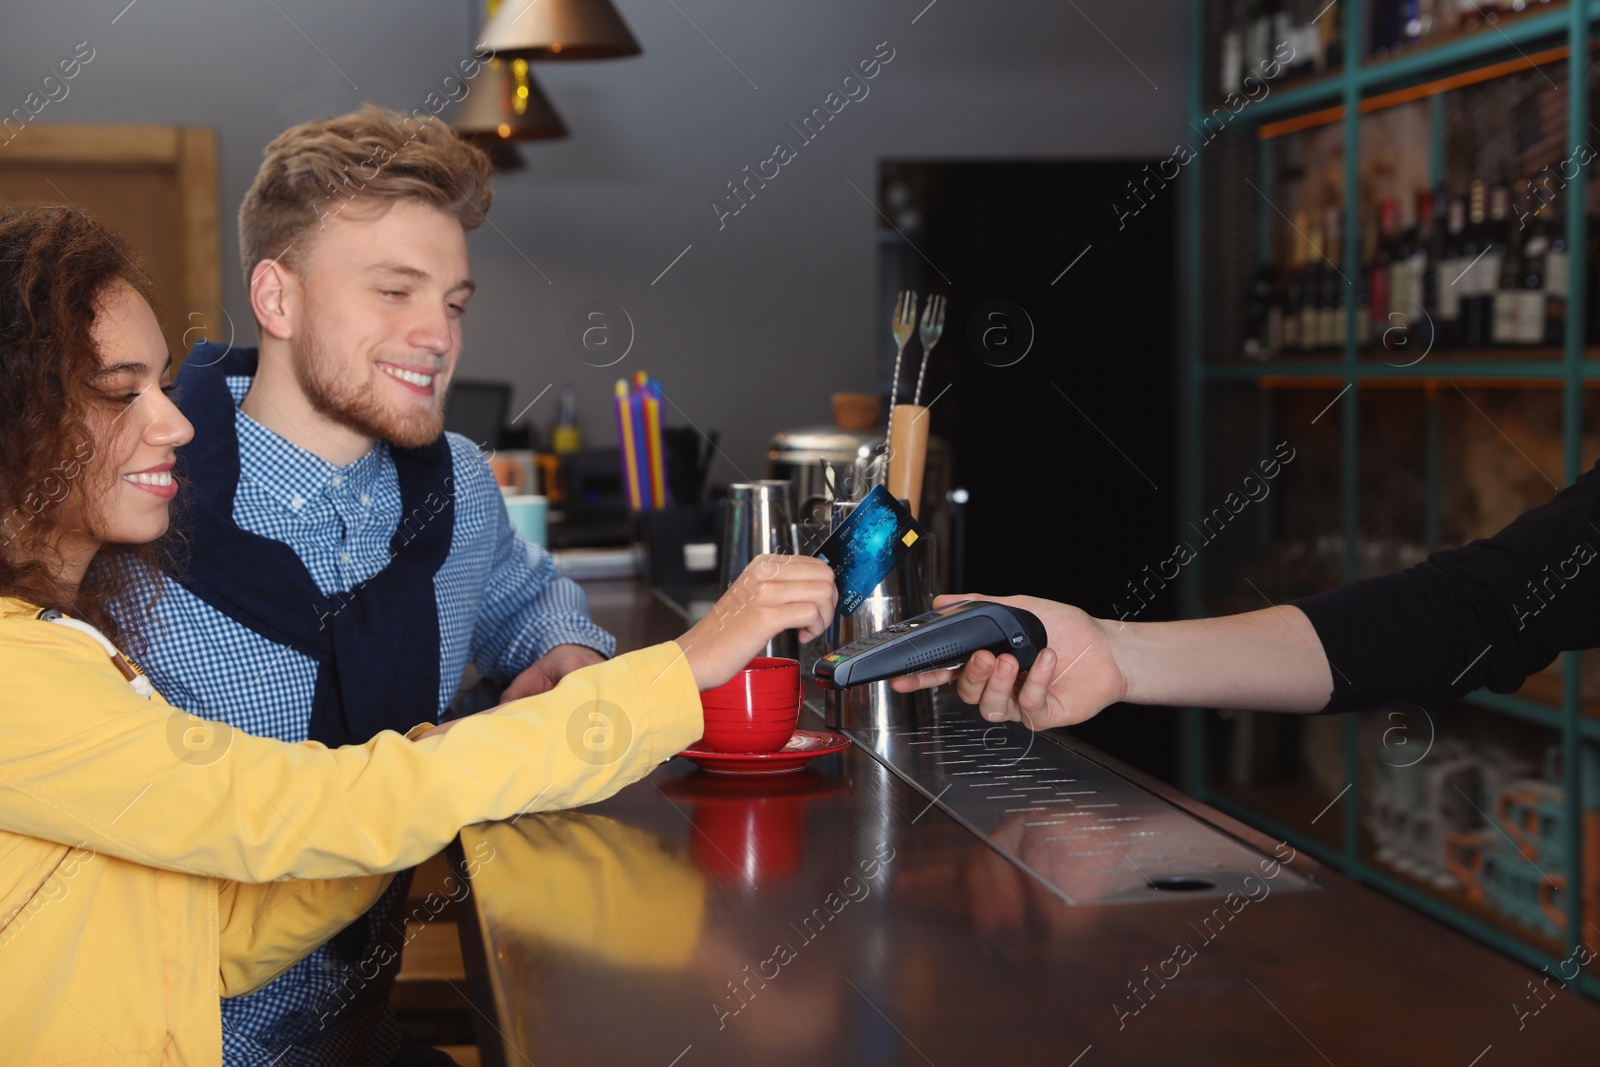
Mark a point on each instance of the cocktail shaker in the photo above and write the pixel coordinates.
(760, 521)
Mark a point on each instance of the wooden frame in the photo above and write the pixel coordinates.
(190, 151)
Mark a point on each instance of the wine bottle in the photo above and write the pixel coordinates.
(1369, 254)
(1506, 302)
(1447, 16)
(1311, 295)
(1385, 35)
(1294, 338)
(1258, 38)
(1275, 302)
(1447, 301)
(1491, 267)
(1331, 24)
(1282, 29)
(1333, 288)
(1405, 282)
(1231, 78)
(1380, 272)
(1257, 343)
(1555, 280)
(1409, 19)
(1591, 253)
(1529, 329)
(1427, 19)
(1308, 55)
(1424, 274)
(1474, 250)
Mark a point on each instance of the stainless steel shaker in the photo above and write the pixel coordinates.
(760, 521)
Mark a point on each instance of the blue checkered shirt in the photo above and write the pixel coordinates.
(501, 604)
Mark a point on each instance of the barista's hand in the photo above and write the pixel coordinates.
(1071, 680)
(774, 594)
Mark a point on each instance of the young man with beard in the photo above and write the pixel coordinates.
(343, 559)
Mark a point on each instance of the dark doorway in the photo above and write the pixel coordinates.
(1068, 453)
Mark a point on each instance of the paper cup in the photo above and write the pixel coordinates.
(527, 514)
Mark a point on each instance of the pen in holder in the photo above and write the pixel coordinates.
(903, 594)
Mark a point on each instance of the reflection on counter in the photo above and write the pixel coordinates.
(591, 886)
(749, 830)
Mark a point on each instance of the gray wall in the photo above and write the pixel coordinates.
(760, 321)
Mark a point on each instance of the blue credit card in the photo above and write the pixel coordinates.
(867, 545)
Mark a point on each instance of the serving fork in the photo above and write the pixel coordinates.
(903, 326)
(932, 327)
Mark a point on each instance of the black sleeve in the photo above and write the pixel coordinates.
(1489, 613)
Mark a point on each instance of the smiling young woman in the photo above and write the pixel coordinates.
(143, 876)
(70, 293)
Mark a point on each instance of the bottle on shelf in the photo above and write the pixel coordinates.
(1231, 75)
(1507, 285)
(1282, 29)
(1410, 30)
(1330, 37)
(1591, 252)
(1294, 338)
(1258, 343)
(1333, 284)
(1380, 274)
(1369, 252)
(1311, 339)
(1253, 35)
(1555, 278)
(1420, 248)
(1520, 303)
(1491, 270)
(1476, 290)
(1447, 270)
(1304, 37)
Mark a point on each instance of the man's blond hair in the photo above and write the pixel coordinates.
(371, 158)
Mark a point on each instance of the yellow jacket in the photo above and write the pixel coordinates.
(141, 880)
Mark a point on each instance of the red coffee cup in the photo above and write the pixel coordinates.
(757, 710)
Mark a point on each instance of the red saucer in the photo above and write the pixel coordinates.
(803, 747)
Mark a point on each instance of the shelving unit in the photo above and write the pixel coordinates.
(1384, 457)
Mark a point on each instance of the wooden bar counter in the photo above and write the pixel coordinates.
(834, 916)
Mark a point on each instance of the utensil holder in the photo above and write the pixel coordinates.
(908, 453)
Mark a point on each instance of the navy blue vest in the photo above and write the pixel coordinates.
(376, 646)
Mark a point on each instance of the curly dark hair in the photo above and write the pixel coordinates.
(56, 264)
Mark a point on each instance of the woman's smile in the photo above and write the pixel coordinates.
(157, 481)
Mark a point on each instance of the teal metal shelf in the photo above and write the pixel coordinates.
(1567, 370)
(1426, 62)
(1286, 101)
(1398, 888)
(1419, 64)
(1454, 370)
(1517, 707)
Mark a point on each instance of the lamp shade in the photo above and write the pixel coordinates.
(503, 103)
(557, 29)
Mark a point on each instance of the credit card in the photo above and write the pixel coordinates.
(867, 545)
